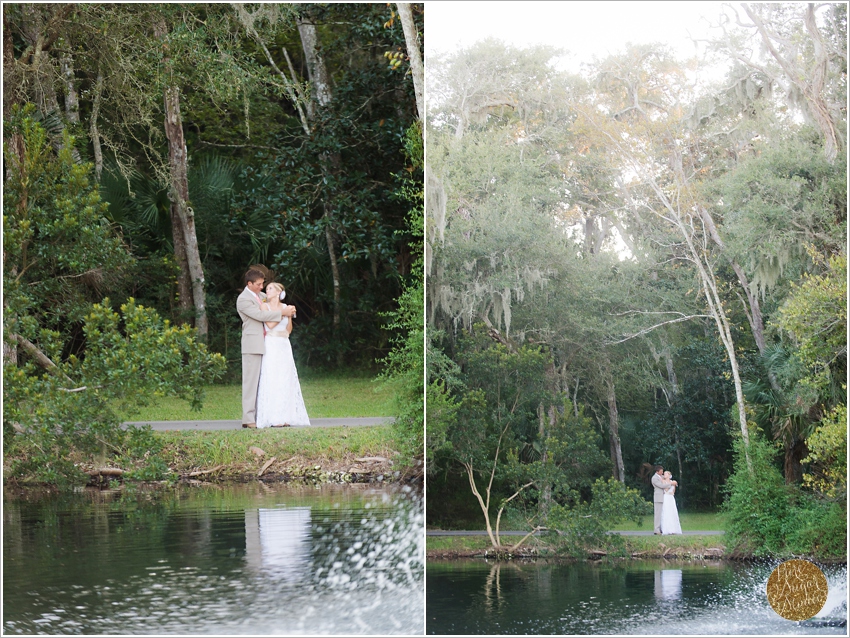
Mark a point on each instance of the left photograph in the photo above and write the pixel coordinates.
(213, 322)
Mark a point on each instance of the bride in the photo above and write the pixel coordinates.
(279, 400)
(669, 511)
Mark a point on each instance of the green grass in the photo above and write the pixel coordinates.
(658, 544)
(324, 396)
(185, 450)
(652, 545)
(461, 544)
(701, 521)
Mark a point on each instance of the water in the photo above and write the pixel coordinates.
(249, 559)
(628, 597)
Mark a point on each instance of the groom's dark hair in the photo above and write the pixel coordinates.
(658, 467)
(253, 275)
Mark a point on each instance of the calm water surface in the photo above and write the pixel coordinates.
(630, 597)
(249, 559)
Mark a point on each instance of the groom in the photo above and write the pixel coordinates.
(248, 305)
(660, 484)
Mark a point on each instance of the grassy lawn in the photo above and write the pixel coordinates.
(185, 450)
(461, 544)
(652, 545)
(324, 396)
(701, 521)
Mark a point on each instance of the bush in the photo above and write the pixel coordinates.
(765, 517)
(758, 505)
(818, 529)
(54, 421)
(585, 526)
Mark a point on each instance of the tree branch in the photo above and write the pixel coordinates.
(42, 359)
(651, 328)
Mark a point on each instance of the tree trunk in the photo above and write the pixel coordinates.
(755, 319)
(485, 505)
(614, 433)
(795, 452)
(9, 64)
(411, 39)
(319, 78)
(184, 281)
(72, 100)
(94, 131)
(329, 238)
(179, 195)
(545, 501)
(316, 70)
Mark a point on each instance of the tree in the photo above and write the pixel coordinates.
(497, 412)
(800, 56)
(417, 69)
(65, 401)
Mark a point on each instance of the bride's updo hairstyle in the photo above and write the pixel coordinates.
(274, 289)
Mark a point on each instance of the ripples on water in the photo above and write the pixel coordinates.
(640, 597)
(340, 561)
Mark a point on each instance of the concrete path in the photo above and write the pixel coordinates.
(434, 532)
(161, 426)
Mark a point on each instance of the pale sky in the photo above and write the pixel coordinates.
(585, 29)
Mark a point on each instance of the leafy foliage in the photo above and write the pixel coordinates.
(404, 364)
(767, 518)
(827, 457)
(815, 314)
(758, 506)
(585, 524)
(77, 364)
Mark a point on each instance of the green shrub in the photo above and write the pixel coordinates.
(758, 505)
(765, 517)
(819, 529)
(585, 525)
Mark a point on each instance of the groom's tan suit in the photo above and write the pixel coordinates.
(253, 348)
(659, 483)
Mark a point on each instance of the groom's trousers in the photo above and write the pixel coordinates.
(251, 364)
(658, 505)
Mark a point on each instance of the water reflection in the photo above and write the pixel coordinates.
(624, 598)
(239, 560)
(278, 540)
(668, 584)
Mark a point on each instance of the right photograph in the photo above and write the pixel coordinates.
(636, 307)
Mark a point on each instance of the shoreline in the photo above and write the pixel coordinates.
(694, 548)
(340, 455)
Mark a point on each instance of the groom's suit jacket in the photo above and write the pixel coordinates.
(658, 483)
(253, 317)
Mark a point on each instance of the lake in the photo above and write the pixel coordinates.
(626, 597)
(209, 559)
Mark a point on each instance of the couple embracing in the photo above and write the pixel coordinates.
(666, 512)
(271, 393)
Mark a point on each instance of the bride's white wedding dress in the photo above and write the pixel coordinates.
(279, 400)
(670, 513)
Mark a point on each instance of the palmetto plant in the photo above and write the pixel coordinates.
(788, 413)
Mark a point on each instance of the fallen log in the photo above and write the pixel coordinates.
(106, 471)
(202, 472)
(266, 466)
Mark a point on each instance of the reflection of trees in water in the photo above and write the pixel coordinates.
(115, 534)
(493, 587)
(526, 573)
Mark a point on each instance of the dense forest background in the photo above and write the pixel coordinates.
(153, 152)
(640, 264)
(294, 120)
